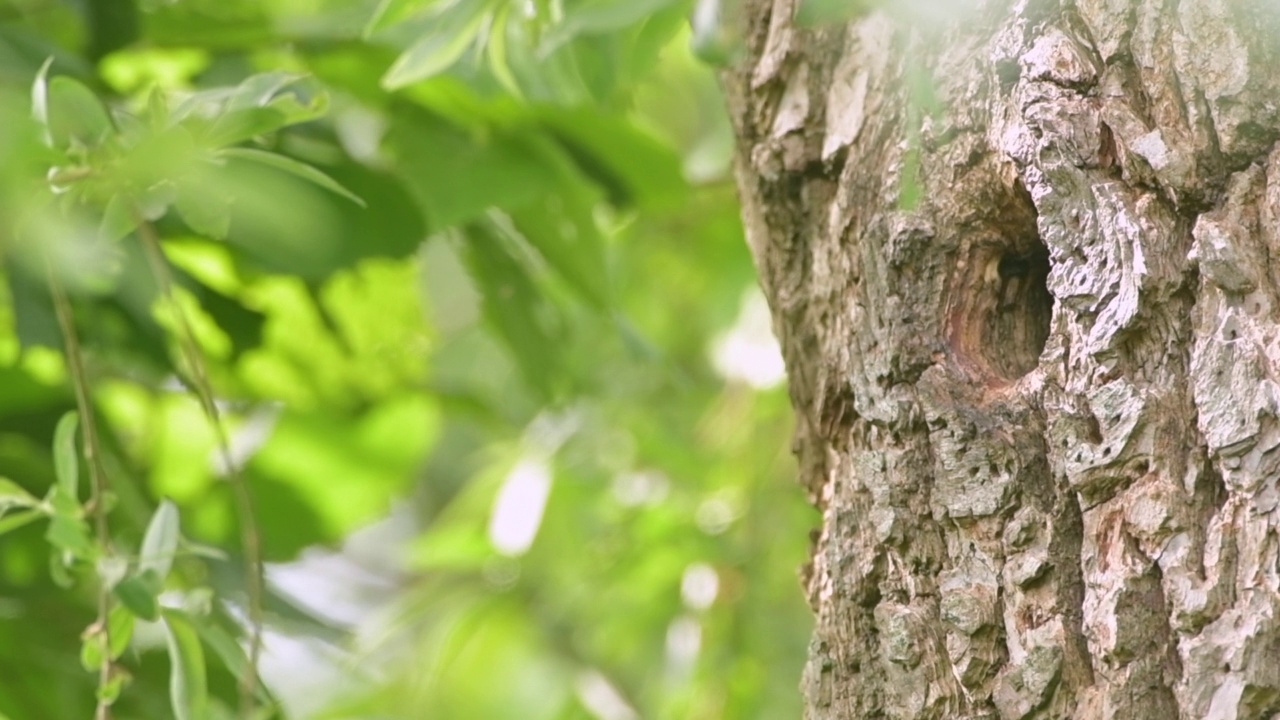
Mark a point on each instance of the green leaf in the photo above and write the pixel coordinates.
(566, 237)
(522, 316)
(66, 463)
(140, 594)
(75, 113)
(91, 650)
(293, 167)
(229, 652)
(121, 622)
(601, 16)
(110, 692)
(501, 170)
(72, 535)
(444, 40)
(205, 208)
(12, 522)
(393, 12)
(632, 166)
(188, 689)
(13, 495)
(160, 541)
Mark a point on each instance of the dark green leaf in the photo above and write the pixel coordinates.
(140, 594)
(521, 315)
(431, 155)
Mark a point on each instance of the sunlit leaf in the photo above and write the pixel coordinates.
(188, 688)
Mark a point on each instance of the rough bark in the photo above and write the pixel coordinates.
(1020, 264)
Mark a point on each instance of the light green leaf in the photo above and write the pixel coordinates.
(258, 90)
(393, 12)
(91, 650)
(75, 113)
(160, 541)
(12, 522)
(70, 534)
(66, 463)
(13, 495)
(188, 689)
(110, 692)
(293, 167)
(205, 208)
(121, 623)
(444, 41)
(601, 16)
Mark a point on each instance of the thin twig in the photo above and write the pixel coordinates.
(97, 506)
(250, 537)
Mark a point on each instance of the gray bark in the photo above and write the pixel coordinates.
(1020, 261)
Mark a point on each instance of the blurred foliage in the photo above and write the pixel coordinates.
(467, 280)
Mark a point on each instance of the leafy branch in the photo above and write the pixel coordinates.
(92, 449)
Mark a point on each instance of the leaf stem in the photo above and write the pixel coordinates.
(250, 535)
(98, 478)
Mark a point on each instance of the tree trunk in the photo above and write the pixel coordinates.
(1020, 263)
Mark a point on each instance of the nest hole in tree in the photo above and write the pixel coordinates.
(1002, 299)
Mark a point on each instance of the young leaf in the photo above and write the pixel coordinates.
(188, 689)
(66, 462)
(110, 692)
(160, 541)
(91, 649)
(121, 623)
(293, 167)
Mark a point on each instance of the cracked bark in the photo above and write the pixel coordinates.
(1020, 263)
